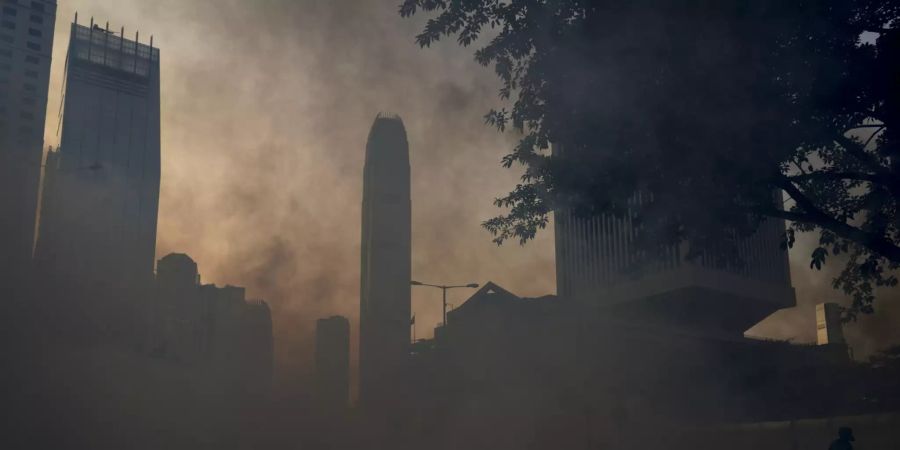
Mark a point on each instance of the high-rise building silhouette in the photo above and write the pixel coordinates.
(829, 327)
(26, 41)
(594, 255)
(332, 364)
(101, 188)
(385, 272)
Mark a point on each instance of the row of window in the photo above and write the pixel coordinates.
(4, 67)
(27, 101)
(10, 40)
(9, 11)
(25, 115)
(30, 59)
(37, 6)
(10, 25)
(24, 130)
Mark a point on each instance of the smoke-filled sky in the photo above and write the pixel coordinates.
(266, 105)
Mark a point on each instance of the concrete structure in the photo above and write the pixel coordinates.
(177, 270)
(513, 372)
(385, 263)
(332, 364)
(26, 43)
(101, 191)
(829, 329)
(207, 325)
(594, 254)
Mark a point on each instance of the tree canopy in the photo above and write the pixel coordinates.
(710, 109)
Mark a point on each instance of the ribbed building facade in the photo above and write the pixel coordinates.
(596, 259)
(101, 188)
(26, 44)
(385, 263)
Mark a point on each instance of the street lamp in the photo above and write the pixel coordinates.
(444, 289)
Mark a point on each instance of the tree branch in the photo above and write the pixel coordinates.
(828, 175)
(859, 152)
(876, 243)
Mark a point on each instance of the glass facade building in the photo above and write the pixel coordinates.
(101, 188)
(26, 41)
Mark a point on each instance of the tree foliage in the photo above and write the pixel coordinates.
(706, 108)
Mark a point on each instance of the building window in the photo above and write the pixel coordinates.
(37, 19)
(10, 11)
(34, 46)
(32, 59)
(35, 33)
(8, 25)
(6, 53)
(26, 115)
(31, 73)
(37, 6)
(29, 101)
(6, 38)
(29, 87)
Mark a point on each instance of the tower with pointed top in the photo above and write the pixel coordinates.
(385, 263)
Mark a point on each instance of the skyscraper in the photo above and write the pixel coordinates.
(101, 191)
(385, 273)
(26, 41)
(333, 364)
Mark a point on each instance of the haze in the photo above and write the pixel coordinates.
(265, 109)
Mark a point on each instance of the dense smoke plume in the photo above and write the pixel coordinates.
(266, 105)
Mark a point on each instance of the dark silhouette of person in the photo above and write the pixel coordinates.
(843, 442)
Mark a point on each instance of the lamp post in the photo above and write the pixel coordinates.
(444, 289)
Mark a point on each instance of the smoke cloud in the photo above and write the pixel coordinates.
(266, 106)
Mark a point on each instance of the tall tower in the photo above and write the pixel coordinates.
(385, 273)
(26, 41)
(101, 188)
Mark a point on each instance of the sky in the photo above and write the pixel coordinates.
(266, 105)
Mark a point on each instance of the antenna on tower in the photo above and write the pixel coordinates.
(76, 17)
